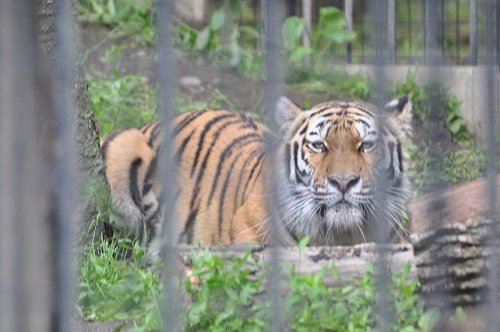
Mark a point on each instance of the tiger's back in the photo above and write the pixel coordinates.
(220, 156)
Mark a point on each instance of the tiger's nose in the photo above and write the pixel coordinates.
(343, 182)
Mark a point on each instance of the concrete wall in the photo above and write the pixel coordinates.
(468, 83)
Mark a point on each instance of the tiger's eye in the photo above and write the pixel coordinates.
(366, 146)
(318, 146)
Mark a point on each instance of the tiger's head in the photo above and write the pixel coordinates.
(338, 158)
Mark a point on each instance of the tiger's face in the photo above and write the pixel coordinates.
(336, 156)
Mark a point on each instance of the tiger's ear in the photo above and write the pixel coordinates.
(401, 112)
(286, 112)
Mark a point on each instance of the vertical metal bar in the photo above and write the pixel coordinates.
(457, 27)
(473, 32)
(25, 264)
(273, 16)
(410, 27)
(441, 35)
(378, 12)
(431, 31)
(491, 191)
(65, 175)
(349, 27)
(172, 309)
(498, 32)
(391, 31)
(306, 37)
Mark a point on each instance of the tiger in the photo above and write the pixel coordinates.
(316, 178)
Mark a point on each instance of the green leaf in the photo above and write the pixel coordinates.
(455, 126)
(217, 20)
(202, 39)
(303, 242)
(292, 30)
(299, 53)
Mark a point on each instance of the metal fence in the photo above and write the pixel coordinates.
(36, 163)
(460, 30)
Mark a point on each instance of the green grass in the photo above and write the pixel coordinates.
(229, 295)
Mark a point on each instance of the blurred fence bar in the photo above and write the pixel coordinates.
(379, 12)
(391, 31)
(491, 168)
(348, 27)
(473, 32)
(272, 19)
(26, 270)
(65, 165)
(172, 311)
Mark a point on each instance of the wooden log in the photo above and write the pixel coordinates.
(459, 204)
(350, 262)
(453, 262)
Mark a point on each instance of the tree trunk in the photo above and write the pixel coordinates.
(89, 159)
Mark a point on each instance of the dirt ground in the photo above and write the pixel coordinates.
(140, 59)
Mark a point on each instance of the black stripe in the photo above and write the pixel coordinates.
(249, 121)
(223, 193)
(189, 226)
(240, 176)
(241, 142)
(400, 156)
(298, 173)
(108, 140)
(133, 184)
(295, 152)
(149, 174)
(145, 127)
(201, 171)
(363, 122)
(299, 126)
(201, 140)
(252, 171)
(146, 189)
(391, 163)
(182, 147)
(287, 159)
(155, 132)
(320, 110)
(189, 119)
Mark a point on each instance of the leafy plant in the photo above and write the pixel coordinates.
(329, 31)
(311, 305)
(463, 165)
(112, 287)
(121, 102)
(224, 295)
(208, 38)
(125, 17)
(431, 101)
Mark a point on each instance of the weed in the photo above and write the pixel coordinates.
(340, 84)
(224, 295)
(112, 287)
(433, 101)
(121, 102)
(330, 31)
(463, 165)
(227, 295)
(125, 17)
(217, 100)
